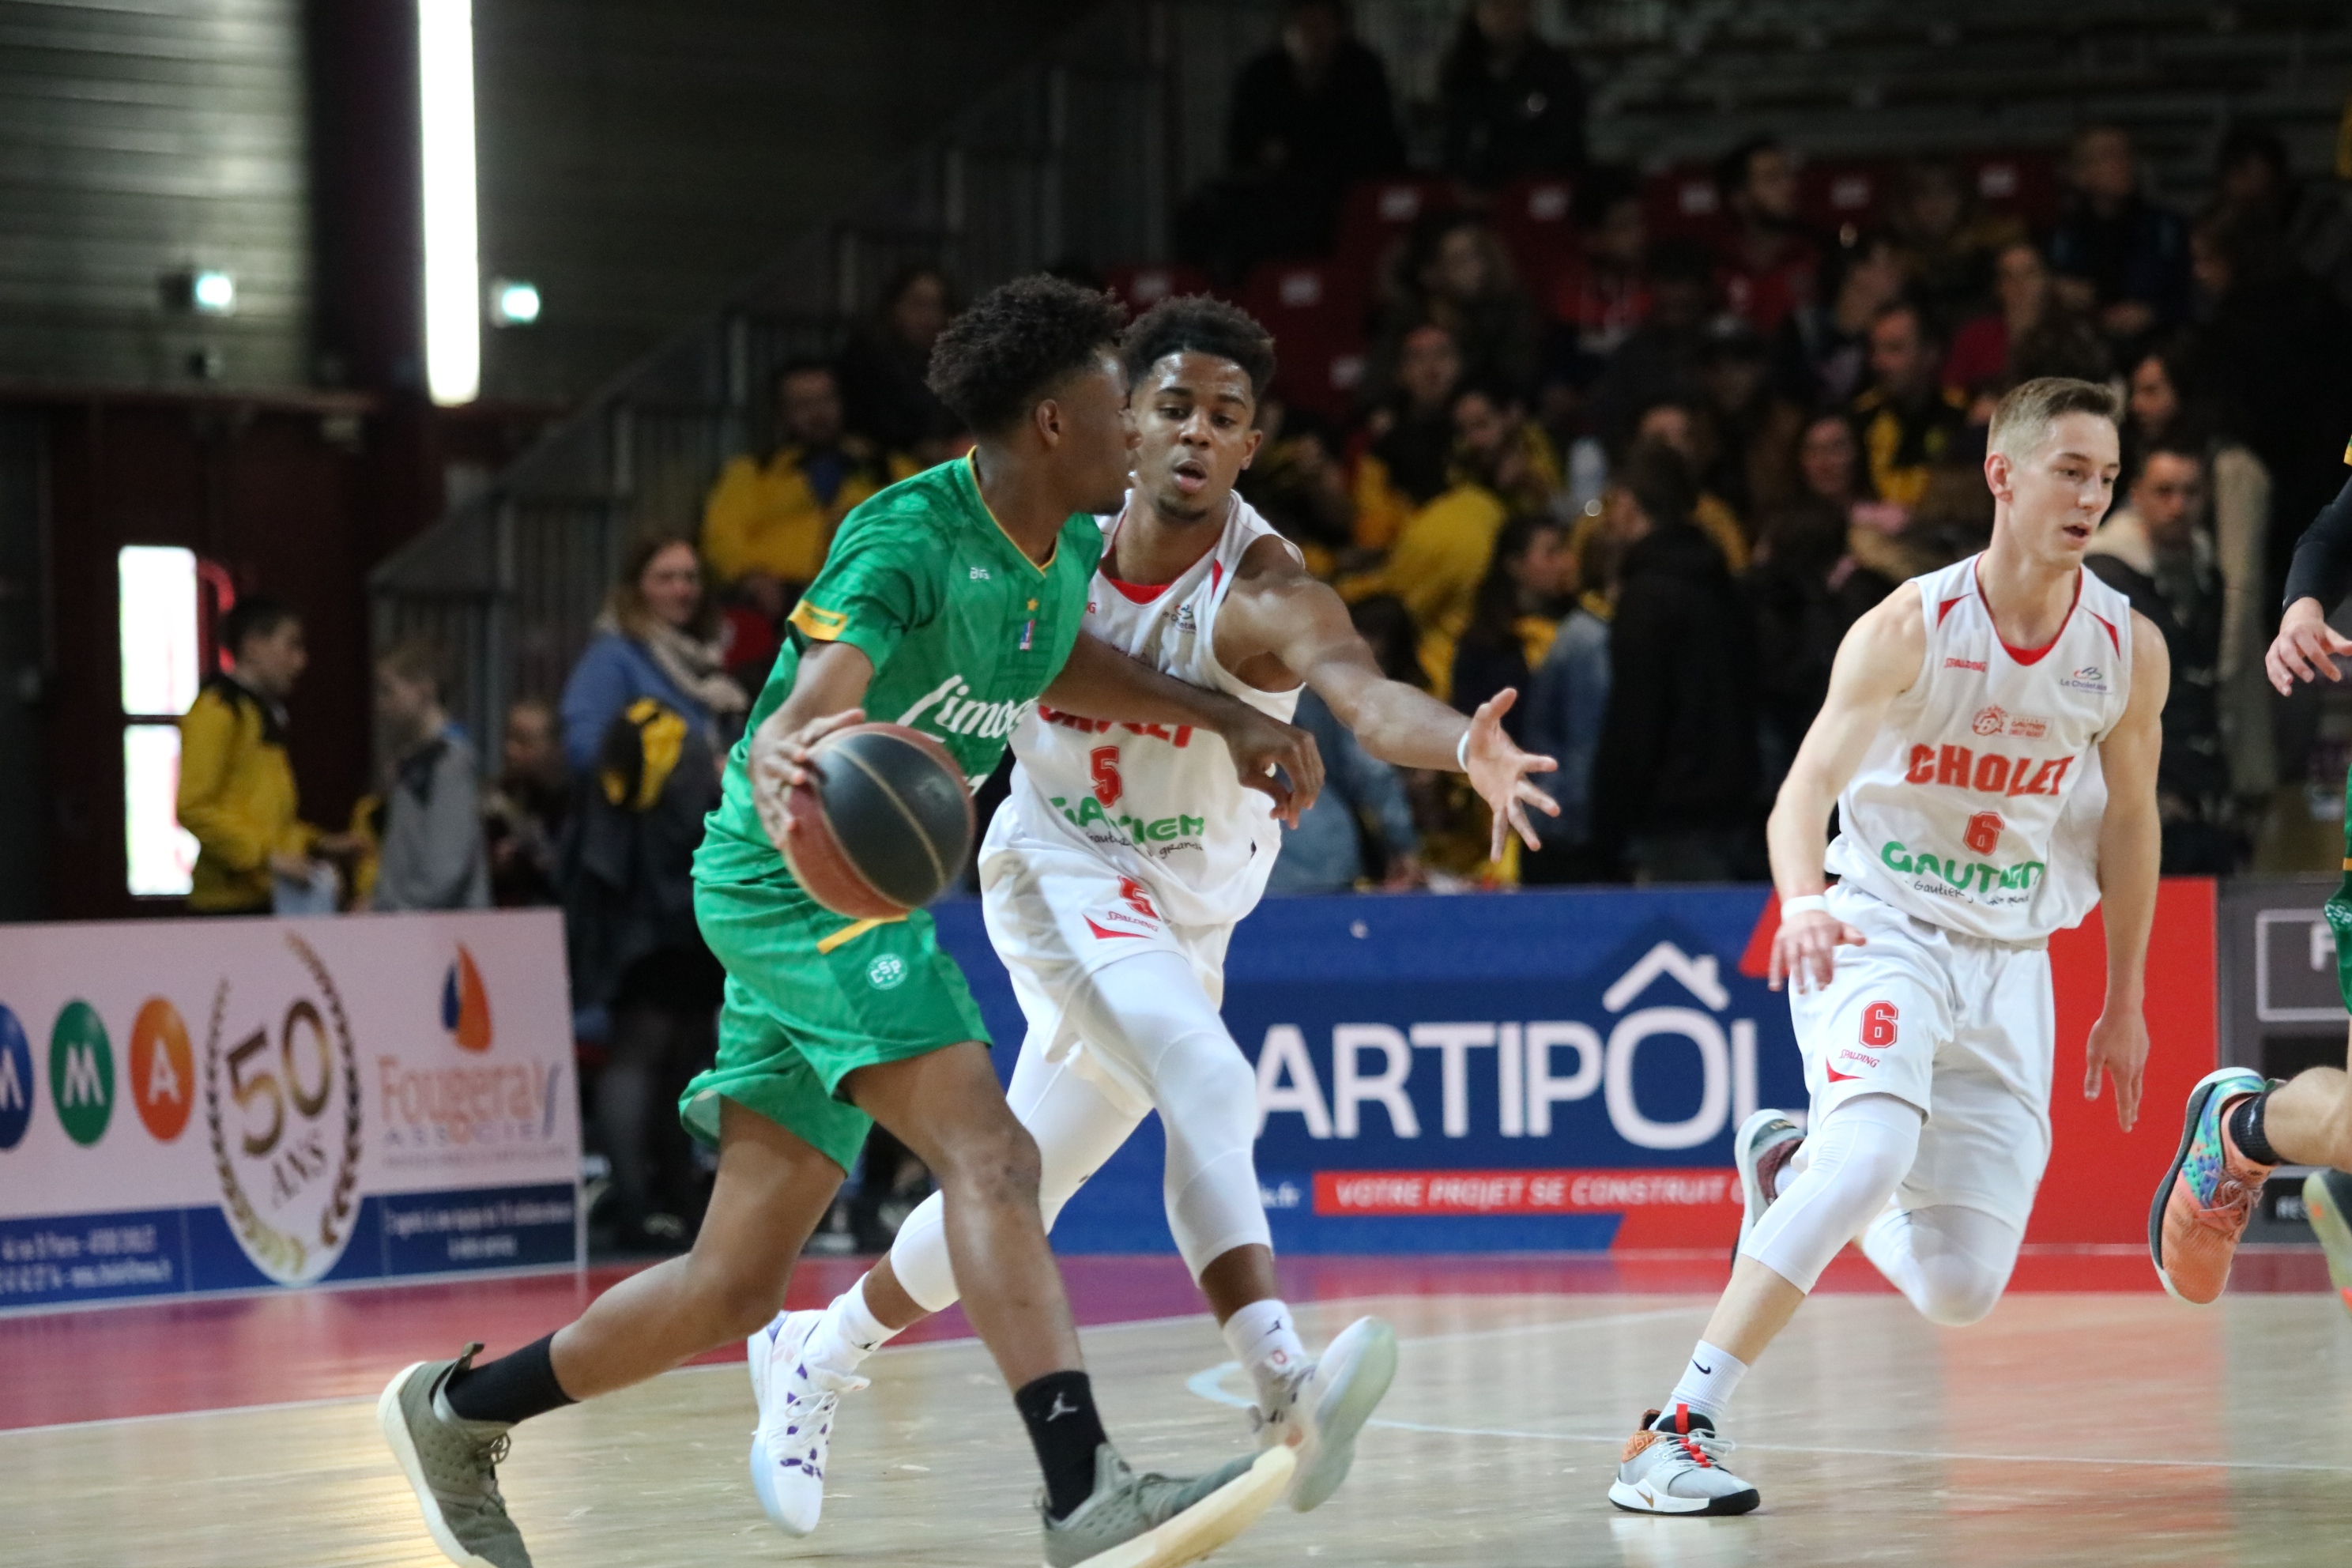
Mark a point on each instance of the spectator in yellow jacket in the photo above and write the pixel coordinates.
(237, 786)
(1502, 464)
(770, 519)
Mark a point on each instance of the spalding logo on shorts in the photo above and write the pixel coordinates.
(887, 972)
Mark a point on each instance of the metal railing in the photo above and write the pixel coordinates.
(1070, 158)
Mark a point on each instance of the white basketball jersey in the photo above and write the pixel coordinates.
(1978, 807)
(1162, 805)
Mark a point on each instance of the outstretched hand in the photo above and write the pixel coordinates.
(2301, 649)
(1499, 770)
(779, 764)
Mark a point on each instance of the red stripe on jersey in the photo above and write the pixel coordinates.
(2115, 641)
(1140, 593)
(1947, 607)
(2033, 655)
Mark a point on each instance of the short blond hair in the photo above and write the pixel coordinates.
(2023, 418)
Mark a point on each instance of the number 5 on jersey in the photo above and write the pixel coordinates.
(1102, 763)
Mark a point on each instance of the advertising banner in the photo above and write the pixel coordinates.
(1564, 1070)
(195, 1106)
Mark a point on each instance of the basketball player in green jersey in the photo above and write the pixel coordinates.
(952, 602)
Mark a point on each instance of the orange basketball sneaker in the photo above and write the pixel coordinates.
(2205, 1201)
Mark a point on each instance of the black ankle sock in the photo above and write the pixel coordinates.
(2246, 1130)
(1059, 1408)
(512, 1388)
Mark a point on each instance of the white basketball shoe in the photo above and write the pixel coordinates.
(1674, 1464)
(1320, 1409)
(796, 1405)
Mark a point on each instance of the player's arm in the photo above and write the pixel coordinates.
(1877, 662)
(1100, 683)
(2318, 576)
(1279, 609)
(2131, 843)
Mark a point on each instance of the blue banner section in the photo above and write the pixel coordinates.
(1544, 1033)
(79, 1258)
(497, 1227)
(92, 1258)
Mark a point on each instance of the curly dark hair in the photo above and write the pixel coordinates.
(999, 358)
(1196, 323)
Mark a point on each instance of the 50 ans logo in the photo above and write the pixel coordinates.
(286, 1144)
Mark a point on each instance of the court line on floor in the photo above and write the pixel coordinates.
(1209, 1385)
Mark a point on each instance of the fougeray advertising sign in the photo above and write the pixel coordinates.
(198, 1106)
(1548, 1070)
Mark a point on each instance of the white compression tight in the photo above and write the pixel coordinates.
(1148, 1013)
(1951, 1262)
(1851, 1164)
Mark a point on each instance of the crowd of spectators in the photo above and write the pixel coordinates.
(1651, 481)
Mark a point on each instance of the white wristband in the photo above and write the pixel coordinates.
(1811, 904)
(1461, 751)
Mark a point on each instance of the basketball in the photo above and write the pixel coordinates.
(883, 823)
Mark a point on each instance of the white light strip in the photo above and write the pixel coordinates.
(453, 298)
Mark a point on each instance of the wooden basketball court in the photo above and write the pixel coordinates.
(2073, 1427)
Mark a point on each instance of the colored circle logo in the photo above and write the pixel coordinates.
(16, 1082)
(887, 972)
(81, 1073)
(162, 1070)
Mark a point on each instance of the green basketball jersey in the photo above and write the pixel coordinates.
(963, 630)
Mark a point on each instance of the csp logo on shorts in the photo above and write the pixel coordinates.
(887, 972)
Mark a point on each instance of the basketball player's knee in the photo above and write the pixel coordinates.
(1221, 1097)
(994, 1162)
(1957, 1293)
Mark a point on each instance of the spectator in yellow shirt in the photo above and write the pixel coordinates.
(237, 786)
(770, 519)
(1502, 465)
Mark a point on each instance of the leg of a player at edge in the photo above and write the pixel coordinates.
(2307, 1121)
(772, 1190)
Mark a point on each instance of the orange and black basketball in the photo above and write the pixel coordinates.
(883, 824)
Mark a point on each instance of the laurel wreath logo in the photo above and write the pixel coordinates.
(281, 1253)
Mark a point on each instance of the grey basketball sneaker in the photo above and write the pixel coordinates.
(1160, 1522)
(451, 1466)
(1674, 1464)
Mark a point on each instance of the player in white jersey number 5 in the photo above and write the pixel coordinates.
(1990, 742)
(1112, 879)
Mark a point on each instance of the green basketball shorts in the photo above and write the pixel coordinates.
(811, 998)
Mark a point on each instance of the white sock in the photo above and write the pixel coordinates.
(1709, 1380)
(849, 1333)
(1264, 1338)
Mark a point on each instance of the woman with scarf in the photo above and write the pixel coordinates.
(657, 638)
(647, 714)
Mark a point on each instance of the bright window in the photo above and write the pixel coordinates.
(161, 671)
(161, 854)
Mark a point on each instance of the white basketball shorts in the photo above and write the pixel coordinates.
(1057, 914)
(1962, 1028)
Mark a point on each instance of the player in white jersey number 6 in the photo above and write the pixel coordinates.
(1990, 742)
(1112, 879)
